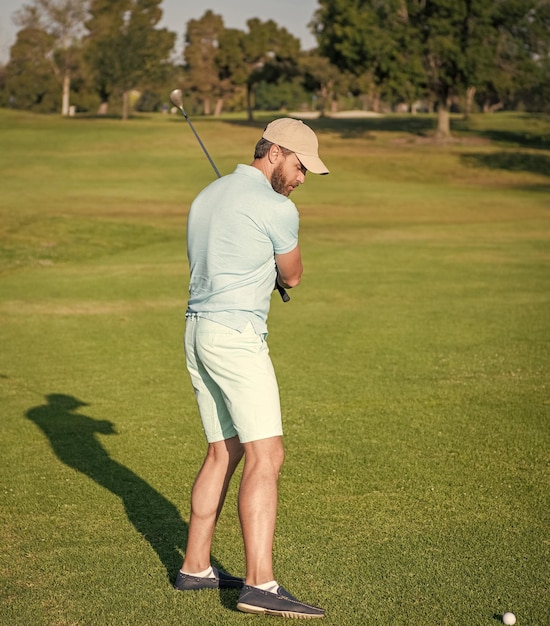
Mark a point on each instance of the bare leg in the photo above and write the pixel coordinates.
(207, 498)
(258, 506)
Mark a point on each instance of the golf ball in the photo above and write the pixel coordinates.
(508, 619)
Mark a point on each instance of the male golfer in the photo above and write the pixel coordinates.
(242, 236)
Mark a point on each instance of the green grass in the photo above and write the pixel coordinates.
(413, 363)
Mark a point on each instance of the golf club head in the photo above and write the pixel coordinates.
(176, 98)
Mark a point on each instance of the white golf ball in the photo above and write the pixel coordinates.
(509, 619)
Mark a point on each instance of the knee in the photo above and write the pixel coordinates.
(274, 462)
(265, 455)
(228, 452)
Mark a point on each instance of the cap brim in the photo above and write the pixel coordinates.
(312, 163)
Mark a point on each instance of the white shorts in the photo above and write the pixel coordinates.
(234, 381)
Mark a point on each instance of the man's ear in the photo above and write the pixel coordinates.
(274, 153)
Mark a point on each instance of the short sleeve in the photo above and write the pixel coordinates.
(283, 228)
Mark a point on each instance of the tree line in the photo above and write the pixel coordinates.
(376, 54)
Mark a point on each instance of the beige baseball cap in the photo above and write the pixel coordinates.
(296, 136)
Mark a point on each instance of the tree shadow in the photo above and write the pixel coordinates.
(353, 128)
(73, 438)
(510, 161)
(524, 139)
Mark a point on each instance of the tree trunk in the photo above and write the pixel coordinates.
(443, 120)
(66, 93)
(125, 98)
(323, 100)
(206, 106)
(249, 102)
(491, 108)
(470, 93)
(219, 107)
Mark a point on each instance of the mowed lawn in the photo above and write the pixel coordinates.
(413, 363)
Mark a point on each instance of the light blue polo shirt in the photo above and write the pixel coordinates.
(235, 227)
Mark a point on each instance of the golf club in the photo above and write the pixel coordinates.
(177, 101)
(176, 97)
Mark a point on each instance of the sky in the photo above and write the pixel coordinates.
(294, 15)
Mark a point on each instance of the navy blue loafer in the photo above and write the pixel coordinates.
(282, 603)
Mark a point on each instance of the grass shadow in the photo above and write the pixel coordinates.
(73, 438)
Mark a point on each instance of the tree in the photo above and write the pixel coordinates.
(124, 49)
(28, 81)
(281, 96)
(270, 54)
(384, 40)
(63, 21)
(520, 45)
(454, 46)
(443, 47)
(222, 60)
(371, 41)
(202, 44)
(321, 77)
(231, 64)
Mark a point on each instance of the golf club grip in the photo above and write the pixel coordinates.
(284, 295)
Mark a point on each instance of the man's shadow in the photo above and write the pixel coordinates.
(73, 439)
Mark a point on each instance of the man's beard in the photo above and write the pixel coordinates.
(279, 182)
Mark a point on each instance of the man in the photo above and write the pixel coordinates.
(242, 236)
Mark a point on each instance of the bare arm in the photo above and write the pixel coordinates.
(289, 268)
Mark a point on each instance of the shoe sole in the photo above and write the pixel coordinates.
(258, 610)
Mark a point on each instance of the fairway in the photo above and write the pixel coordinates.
(413, 363)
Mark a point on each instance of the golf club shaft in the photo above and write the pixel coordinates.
(175, 97)
(200, 141)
